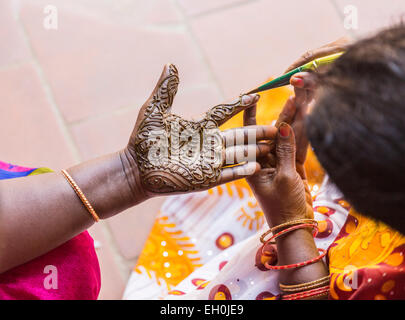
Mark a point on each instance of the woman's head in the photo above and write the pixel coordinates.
(357, 128)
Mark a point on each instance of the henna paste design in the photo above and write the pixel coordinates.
(174, 154)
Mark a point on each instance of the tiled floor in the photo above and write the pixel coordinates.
(71, 94)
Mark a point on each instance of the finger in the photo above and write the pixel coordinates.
(301, 97)
(248, 135)
(267, 161)
(317, 53)
(288, 113)
(223, 112)
(301, 170)
(285, 149)
(304, 80)
(249, 116)
(301, 140)
(239, 154)
(238, 172)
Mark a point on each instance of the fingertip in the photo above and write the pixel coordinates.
(252, 168)
(249, 99)
(297, 81)
(169, 69)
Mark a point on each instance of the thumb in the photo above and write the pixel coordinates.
(285, 149)
(165, 90)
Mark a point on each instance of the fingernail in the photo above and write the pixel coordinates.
(297, 82)
(284, 130)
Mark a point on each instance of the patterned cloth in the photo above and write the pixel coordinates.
(78, 272)
(206, 245)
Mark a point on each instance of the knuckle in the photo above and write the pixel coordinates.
(285, 149)
(308, 55)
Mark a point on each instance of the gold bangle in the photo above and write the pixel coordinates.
(290, 223)
(305, 286)
(81, 195)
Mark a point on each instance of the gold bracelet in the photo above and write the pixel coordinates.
(290, 223)
(305, 286)
(81, 195)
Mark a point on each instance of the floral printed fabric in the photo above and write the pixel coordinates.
(206, 245)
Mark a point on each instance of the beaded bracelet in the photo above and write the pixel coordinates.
(81, 195)
(287, 224)
(295, 288)
(318, 292)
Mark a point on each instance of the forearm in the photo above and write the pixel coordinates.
(39, 213)
(298, 246)
(295, 247)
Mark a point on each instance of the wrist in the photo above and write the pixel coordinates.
(104, 182)
(132, 176)
(275, 216)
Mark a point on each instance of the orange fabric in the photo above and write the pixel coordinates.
(366, 260)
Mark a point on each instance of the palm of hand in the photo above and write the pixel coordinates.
(173, 154)
(288, 196)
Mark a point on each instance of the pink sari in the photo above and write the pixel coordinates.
(68, 272)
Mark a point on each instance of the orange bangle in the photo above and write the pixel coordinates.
(287, 224)
(81, 195)
(296, 288)
(314, 293)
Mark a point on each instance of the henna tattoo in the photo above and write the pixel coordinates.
(174, 154)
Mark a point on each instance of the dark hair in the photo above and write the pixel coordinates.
(357, 128)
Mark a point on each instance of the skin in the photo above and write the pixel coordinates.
(49, 212)
(281, 187)
(330, 48)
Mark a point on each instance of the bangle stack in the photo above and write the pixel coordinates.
(314, 289)
(313, 293)
(305, 286)
(286, 228)
(287, 224)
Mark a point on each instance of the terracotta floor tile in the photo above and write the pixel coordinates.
(104, 135)
(194, 7)
(112, 283)
(29, 130)
(375, 14)
(132, 12)
(12, 45)
(247, 44)
(95, 67)
(194, 102)
(131, 228)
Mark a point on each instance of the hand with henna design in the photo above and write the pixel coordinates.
(167, 154)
